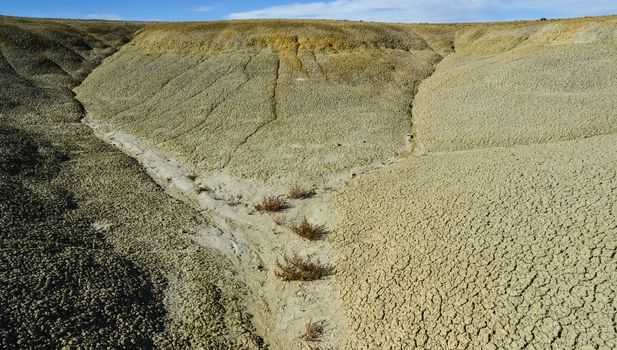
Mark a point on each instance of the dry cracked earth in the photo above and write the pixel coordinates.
(464, 174)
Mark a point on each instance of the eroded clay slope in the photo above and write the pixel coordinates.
(274, 102)
(521, 83)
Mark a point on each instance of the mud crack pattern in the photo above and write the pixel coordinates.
(498, 248)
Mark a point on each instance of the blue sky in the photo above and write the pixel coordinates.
(368, 10)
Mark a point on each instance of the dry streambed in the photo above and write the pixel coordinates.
(267, 254)
(225, 115)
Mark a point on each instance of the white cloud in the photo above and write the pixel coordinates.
(106, 16)
(434, 11)
(203, 8)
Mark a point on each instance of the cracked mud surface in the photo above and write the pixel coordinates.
(505, 247)
(496, 248)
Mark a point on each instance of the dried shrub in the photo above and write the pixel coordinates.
(300, 193)
(279, 219)
(309, 231)
(191, 176)
(271, 204)
(312, 332)
(296, 268)
(199, 188)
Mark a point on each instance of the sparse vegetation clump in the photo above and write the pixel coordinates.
(279, 219)
(191, 176)
(272, 204)
(312, 332)
(298, 192)
(309, 231)
(199, 188)
(295, 268)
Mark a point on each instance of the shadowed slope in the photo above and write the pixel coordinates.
(62, 284)
(92, 253)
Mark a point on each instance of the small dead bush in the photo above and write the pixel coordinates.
(271, 204)
(191, 176)
(279, 219)
(295, 268)
(300, 193)
(199, 188)
(312, 332)
(309, 231)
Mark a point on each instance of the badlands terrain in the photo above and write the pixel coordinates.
(464, 175)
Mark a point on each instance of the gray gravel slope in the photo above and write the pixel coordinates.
(93, 254)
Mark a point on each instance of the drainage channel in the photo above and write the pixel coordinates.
(254, 242)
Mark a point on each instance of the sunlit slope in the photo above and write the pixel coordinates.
(521, 83)
(275, 101)
(498, 232)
